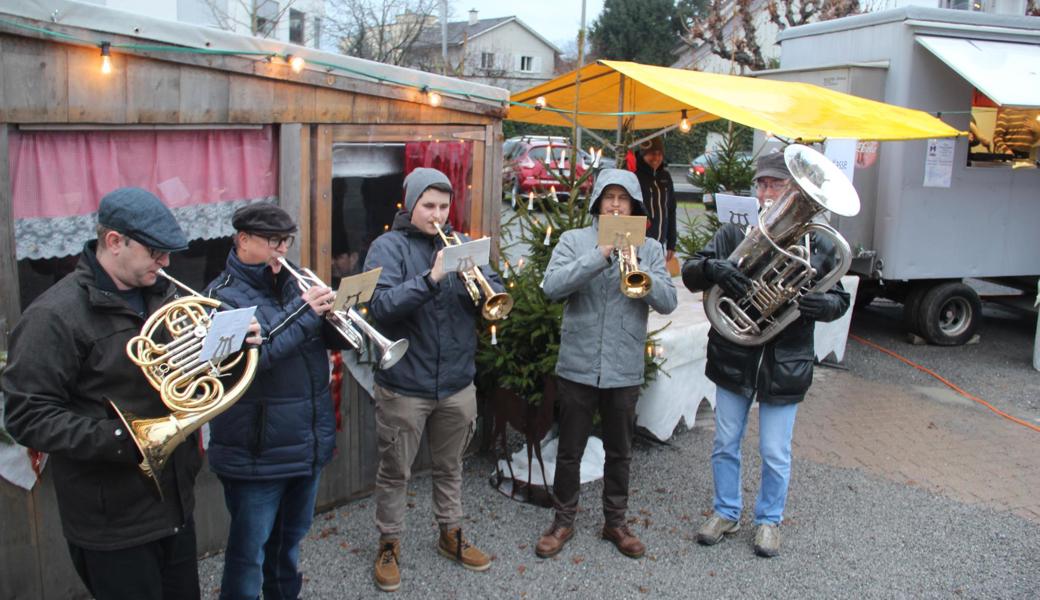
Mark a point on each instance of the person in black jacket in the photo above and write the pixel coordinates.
(268, 449)
(658, 194)
(431, 388)
(67, 361)
(776, 374)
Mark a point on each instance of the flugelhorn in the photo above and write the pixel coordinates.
(168, 350)
(634, 283)
(350, 324)
(777, 260)
(496, 305)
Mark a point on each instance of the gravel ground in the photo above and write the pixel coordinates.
(998, 369)
(846, 535)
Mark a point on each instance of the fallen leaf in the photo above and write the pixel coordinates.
(521, 569)
(578, 560)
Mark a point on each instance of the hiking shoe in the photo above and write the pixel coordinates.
(452, 545)
(767, 540)
(552, 541)
(625, 541)
(714, 528)
(387, 572)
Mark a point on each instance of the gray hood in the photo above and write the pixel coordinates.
(625, 179)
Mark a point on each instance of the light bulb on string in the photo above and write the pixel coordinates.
(432, 97)
(684, 123)
(106, 58)
(539, 103)
(296, 63)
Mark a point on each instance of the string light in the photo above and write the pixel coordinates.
(539, 103)
(494, 336)
(106, 58)
(505, 271)
(296, 63)
(548, 236)
(530, 200)
(552, 192)
(684, 123)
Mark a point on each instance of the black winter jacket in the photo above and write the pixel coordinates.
(780, 371)
(438, 321)
(67, 361)
(659, 199)
(284, 425)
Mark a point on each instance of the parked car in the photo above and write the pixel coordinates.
(529, 163)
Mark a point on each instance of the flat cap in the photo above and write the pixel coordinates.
(772, 165)
(263, 217)
(141, 216)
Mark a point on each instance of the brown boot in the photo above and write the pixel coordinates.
(452, 545)
(625, 541)
(552, 541)
(387, 572)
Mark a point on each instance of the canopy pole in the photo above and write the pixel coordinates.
(619, 151)
(577, 77)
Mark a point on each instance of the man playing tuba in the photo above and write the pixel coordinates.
(777, 374)
(600, 365)
(67, 361)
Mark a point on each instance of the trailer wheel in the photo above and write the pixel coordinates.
(912, 308)
(949, 314)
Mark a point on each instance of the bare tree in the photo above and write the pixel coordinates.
(260, 18)
(731, 31)
(379, 30)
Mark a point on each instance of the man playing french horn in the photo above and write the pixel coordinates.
(68, 360)
(431, 387)
(776, 373)
(600, 365)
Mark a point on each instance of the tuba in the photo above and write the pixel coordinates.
(167, 350)
(351, 325)
(497, 305)
(776, 255)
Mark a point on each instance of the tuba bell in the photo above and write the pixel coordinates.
(776, 255)
(167, 351)
(496, 306)
(351, 325)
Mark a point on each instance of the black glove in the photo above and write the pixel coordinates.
(726, 274)
(816, 305)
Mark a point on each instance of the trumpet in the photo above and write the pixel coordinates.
(497, 305)
(634, 283)
(351, 325)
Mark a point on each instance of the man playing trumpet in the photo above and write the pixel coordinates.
(268, 449)
(431, 387)
(600, 365)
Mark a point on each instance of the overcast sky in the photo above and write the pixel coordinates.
(556, 20)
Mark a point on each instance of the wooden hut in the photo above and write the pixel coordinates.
(210, 121)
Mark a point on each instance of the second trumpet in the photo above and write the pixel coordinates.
(496, 304)
(351, 325)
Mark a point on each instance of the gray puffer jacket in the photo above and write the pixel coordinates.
(604, 332)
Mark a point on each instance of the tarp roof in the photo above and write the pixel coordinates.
(654, 97)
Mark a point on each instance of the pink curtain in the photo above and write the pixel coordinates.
(62, 174)
(454, 159)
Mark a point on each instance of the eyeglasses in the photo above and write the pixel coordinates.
(274, 241)
(152, 252)
(776, 185)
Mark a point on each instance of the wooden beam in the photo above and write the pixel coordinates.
(43, 96)
(405, 133)
(153, 92)
(291, 184)
(321, 201)
(477, 182)
(10, 300)
(493, 187)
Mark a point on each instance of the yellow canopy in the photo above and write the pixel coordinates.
(656, 96)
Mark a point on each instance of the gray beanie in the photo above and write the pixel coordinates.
(418, 181)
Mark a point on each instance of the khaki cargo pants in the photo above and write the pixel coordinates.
(400, 420)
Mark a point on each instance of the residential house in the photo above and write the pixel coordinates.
(503, 52)
(295, 21)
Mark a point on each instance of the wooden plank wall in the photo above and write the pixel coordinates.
(10, 306)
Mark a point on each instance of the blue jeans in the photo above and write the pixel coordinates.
(269, 519)
(775, 426)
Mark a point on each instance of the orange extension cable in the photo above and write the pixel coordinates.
(945, 381)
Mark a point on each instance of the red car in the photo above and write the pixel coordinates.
(529, 167)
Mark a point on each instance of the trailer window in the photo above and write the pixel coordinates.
(1003, 137)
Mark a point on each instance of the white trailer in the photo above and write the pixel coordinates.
(915, 241)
